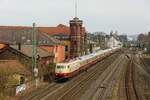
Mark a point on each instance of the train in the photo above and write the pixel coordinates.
(69, 69)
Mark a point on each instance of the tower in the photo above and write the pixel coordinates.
(76, 37)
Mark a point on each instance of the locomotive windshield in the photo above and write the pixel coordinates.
(60, 67)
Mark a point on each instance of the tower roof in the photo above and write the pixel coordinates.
(76, 20)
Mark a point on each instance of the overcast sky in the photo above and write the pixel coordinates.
(126, 16)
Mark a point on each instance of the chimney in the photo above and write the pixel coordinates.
(33, 25)
(19, 46)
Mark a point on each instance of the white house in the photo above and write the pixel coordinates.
(113, 42)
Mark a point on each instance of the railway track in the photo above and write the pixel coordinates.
(102, 88)
(146, 79)
(42, 92)
(55, 87)
(79, 86)
(146, 66)
(73, 92)
(131, 91)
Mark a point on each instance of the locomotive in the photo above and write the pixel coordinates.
(69, 69)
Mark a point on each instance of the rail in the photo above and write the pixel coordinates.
(131, 91)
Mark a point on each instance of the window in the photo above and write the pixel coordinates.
(22, 80)
(66, 57)
(65, 37)
(60, 67)
(66, 48)
(75, 42)
(57, 37)
(56, 48)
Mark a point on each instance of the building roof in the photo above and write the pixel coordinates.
(27, 50)
(60, 29)
(25, 37)
(15, 27)
(9, 67)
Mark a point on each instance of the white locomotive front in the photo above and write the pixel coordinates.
(66, 70)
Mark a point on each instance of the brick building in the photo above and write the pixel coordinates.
(16, 65)
(17, 48)
(61, 32)
(66, 33)
(15, 36)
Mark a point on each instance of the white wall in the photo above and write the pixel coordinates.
(112, 42)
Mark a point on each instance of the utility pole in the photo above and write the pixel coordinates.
(34, 54)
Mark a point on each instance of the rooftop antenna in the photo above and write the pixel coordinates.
(75, 8)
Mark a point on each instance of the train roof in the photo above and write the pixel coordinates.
(82, 58)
